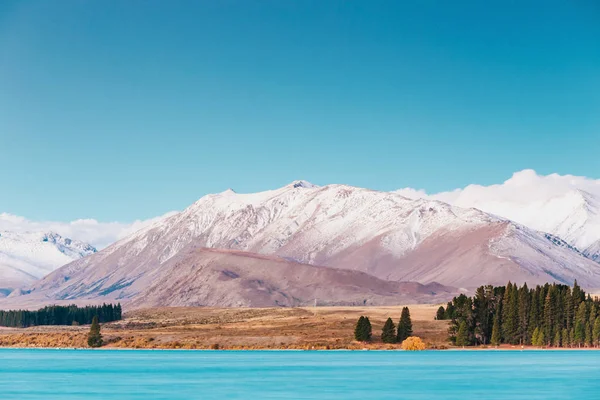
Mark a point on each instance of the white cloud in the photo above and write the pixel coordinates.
(566, 205)
(98, 234)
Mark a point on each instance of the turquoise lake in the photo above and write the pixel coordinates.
(108, 374)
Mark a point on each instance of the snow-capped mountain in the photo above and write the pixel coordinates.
(386, 235)
(564, 205)
(573, 216)
(26, 257)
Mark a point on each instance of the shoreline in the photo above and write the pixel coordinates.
(227, 329)
(449, 349)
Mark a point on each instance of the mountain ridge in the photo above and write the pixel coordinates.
(28, 256)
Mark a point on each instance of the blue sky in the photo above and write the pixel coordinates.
(118, 110)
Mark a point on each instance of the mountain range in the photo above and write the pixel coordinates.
(27, 257)
(337, 244)
(566, 206)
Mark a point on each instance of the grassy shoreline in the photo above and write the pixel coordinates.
(194, 328)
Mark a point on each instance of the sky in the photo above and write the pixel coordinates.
(121, 111)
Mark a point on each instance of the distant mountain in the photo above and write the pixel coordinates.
(26, 257)
(563, 205)
(382, 234)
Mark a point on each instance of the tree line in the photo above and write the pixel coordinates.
(60, 315)
(550, 315)
(389, 333)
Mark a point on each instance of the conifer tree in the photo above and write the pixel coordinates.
(523, 314)
(578, 295)
(596, 332)
(592, 315)
(404, 326)
(569, 309)
(548, 315)
(496, 337)
(572, 337)
(462, 337)
(535, 339)
(388, 333)
(565, 341)
(588, 335)
(533, 314)
(94, 337)
(367, 329)
(441, 314)
(449, 311)
(359, 329)
(362, 330)
(582, 314)
(506, 318)
(579, 337)
(557, 339)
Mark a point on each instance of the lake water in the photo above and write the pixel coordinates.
(108, 374)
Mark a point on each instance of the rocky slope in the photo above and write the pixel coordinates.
(225, 278)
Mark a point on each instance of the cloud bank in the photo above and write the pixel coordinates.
(523, 187)
(98, 234)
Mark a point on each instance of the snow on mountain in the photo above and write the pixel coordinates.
(593, 251)
(26, 257)
(564, 205)
(385, 235)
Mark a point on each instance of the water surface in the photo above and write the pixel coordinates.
(141, 374)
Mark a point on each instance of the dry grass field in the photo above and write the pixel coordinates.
(237, 328)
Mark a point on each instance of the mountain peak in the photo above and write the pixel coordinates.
(26, 256)
(302, 184)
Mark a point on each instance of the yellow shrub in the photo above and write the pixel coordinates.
(413, 343)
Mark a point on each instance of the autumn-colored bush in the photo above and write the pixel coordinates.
(413, 343)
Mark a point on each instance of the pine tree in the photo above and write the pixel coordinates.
(565, 341)
(572, 337)
(533, 314)
(557, 339)
(569, 309)
(548, 315)
(596, 332)
(449, 314)
(510, 317)
(388, 333)
(581, 315)
(362, 330)
(535, 338)
(496, 337)
(593, 313)
(523, 314)
(94, 337)
(404, 326)
(483, 311)
(506, 320)
(359, 330)
(579, 337)
(441, 314)
(578, 295)
(588, 335)
(367, 329)
(462, 337)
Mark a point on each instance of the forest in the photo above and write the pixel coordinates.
(60, 315)
(552, 315)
